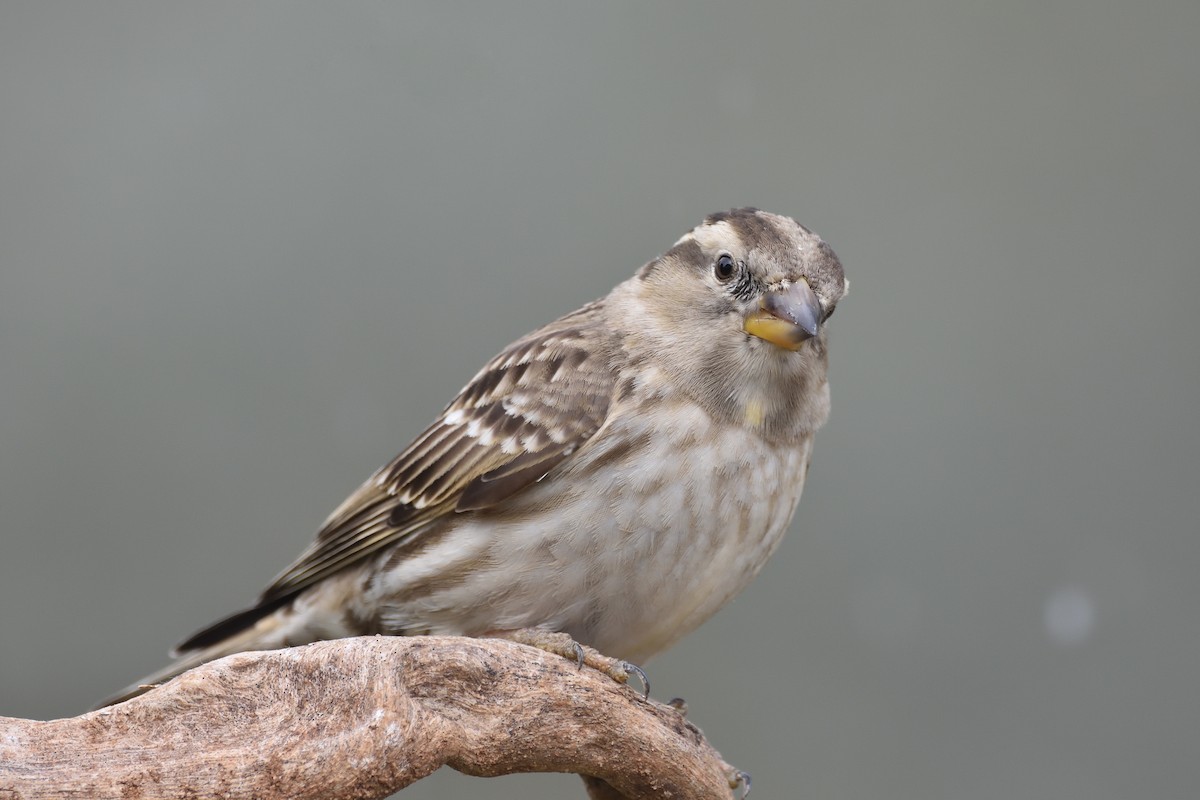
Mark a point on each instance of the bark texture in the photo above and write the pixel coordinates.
(362, 718)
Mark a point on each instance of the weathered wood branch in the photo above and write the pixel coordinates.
(362, 718)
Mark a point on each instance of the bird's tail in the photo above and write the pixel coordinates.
(264, 627)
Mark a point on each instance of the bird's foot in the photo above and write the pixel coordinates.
(560, 644)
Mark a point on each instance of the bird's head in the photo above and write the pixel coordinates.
(737, 313)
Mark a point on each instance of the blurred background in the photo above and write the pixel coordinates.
(247, 251)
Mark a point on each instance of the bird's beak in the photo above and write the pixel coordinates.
(786, 318)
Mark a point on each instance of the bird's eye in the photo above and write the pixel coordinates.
(724, 268)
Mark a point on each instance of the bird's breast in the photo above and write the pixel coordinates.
(679, 525)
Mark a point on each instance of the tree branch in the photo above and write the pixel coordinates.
(362, 718)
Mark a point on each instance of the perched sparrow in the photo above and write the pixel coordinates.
(617, 475)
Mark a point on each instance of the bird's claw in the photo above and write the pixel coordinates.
(739, 777)
(641, 674)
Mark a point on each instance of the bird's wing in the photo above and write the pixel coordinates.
(530, 408)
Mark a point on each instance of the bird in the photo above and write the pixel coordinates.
(613, 478)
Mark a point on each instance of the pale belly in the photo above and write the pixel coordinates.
(654, 539)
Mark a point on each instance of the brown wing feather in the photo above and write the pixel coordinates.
(525, 412)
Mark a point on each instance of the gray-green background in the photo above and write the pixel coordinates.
(248, 250)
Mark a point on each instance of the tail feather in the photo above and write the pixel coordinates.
(253, 629)
(226, 628)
